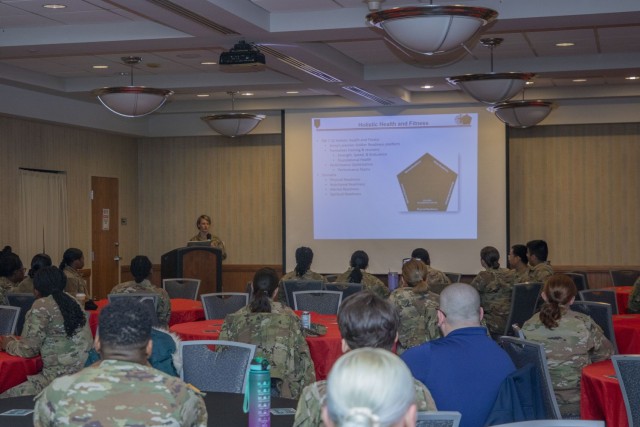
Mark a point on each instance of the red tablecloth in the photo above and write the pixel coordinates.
(14, 370)
(325, 350)
(622, 296)
(627, 330)
(600, 395)
(182, 310)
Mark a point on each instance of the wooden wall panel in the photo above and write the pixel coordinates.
(578, 188)
(81, 153)
(235, 181)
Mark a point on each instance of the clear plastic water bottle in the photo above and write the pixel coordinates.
(257, 396)
(306, 320)
(392, 280)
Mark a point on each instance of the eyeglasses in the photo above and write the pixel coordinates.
(443, 313)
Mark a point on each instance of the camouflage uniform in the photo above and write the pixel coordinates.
(495, 287)
(369, 282)
(309, 275)
(540, 272)
(216, 242)
(278, 338)
(576, 342)
(24, 287)
(164, 302)
(310, 404)
(5, 286)
(522, 276)
(634, 298)
(437, 280)
(75, 283)
(418, 317)
(43, 334)
(119, 393)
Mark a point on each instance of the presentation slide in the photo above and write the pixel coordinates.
(388, 180)
(395, 177)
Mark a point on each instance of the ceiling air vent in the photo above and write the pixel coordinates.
(363, 93)
(186, 13)
(299, 65)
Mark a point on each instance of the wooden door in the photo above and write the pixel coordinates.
(105, 258)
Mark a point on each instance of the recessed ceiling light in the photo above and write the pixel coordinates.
(100, 67)
(565, 44)
(247, 94)
(579, 80)
(202, 95)
(292, 92)
(529, 83)
(54, 6)
(208, 63)
(632, 78)
(426, 87)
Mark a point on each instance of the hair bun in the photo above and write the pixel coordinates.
(361, 416)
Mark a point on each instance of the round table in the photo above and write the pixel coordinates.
(14, 370)
(325, 350)
(600, 395)
(622, 296)
(223, 409)
(182, 310)
(627, 330)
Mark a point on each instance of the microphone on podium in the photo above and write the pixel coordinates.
(208, 236)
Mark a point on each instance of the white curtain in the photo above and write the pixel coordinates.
(44, 215)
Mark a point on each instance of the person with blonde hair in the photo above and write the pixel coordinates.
(416, 305)
(203, 223)
(571, 341)
(358, 398)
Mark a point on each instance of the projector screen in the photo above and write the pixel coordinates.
(389, 183)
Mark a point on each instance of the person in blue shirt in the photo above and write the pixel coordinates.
(464, 369)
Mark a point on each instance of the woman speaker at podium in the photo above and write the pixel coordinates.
(204, 223)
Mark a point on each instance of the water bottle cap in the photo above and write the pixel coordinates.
(260, 364)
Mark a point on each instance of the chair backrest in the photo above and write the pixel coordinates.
(624, 277)
(628, 372)
(554, 423)
(323, 302)
(438, 419)
(579, 279)
(24, 302)
(585, 275)
(148, 299)
(600, 312)
(523, 352)
(601, 295)
(347, 289)
(291, 286)
(217, 305)
(216, 370)
(8, 319)
(454, 277)
(182, 288)
(524, 298)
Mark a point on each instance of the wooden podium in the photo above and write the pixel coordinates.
(195, 262)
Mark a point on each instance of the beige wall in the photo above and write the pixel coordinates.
(578, 188)
(81, 154)
(237, 182)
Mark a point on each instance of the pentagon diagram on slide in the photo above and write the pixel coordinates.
(427, 184)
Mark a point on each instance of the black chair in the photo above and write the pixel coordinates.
(323, 302)
(522, 353)
(209, 369)
(24, 302)
(8, 319)
(438, 419)
(628, 372)
(601, 295)
(579, 279)
(524, 300)
(454, 277)
(600, 312)
(182, 288)
(585, 275)
(624, 277)
(291, 286)
(347, 289)
(218, 304)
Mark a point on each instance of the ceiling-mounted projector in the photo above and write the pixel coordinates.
(243, 57)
